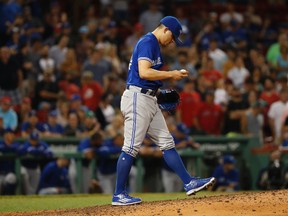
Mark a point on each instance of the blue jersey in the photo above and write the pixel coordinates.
(57, 129)
(40, 150)
(54, 176)
(7, 166)
(27, 127)
(148, 49)
(105, 163)
(83, 147)
(225, 178)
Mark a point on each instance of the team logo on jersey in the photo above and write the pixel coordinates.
(156, 62)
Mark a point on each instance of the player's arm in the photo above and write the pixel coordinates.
(148, 73)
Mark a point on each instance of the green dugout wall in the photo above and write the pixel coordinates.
(248, 163)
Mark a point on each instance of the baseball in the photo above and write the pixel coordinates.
(182, 70)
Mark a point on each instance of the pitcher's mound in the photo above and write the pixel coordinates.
(268, 203)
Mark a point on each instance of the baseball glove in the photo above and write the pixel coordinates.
(168, 99)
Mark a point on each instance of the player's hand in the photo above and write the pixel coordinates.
(179, 74)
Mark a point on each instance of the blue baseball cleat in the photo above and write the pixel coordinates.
(196, 185)
(124, 199)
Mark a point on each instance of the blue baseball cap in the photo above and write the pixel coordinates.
(34, 135)
(173, 24)
(53, 113)
(228, 159)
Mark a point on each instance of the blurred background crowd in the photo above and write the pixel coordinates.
(63, 68)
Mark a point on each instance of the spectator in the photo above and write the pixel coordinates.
(209, 116)
(30, 169)
(207, 34)
(52, 128)
(2, 130)
(230, 15)
(275, 115)
(221, 94)
(275, 175)
(73, 128)
(68, 86)
(25, 109)
(10, 77)
(282, 62)
(235, 109)
(132, 39)
(106, 170)
(227, 176)
(238, 73)
(274, 50)
(46, 92)
(58, 51)
(115, 87)
(8, 178)
(77, 107)
(26, 68)
(252, 121)
(63, 114)
(70, 65)
(210, 73)
(182, 62)
(218, 55)
(284, 133)
(54, 178)
(91, 124)
(9, 116)
(269, 95)
(46, 63)
(91, 91)
(230, 61)
(115, 127)
(106, 108)
(151, 17)
(32, 124)
(99, 66)
(87, 147)
(189, 98)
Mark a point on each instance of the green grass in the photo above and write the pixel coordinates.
(35, 203)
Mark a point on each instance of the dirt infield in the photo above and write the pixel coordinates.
(269, 203)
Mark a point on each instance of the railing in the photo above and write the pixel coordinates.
(238, 146)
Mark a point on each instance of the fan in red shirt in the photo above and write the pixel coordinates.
(91, 91)
(210, 73)
(269, 95)
(190, 100)
(209, 116)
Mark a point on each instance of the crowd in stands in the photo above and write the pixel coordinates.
(60, 79)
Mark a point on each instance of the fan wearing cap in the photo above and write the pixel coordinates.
(32, 124)
(52, 128)
(7, 167)
(142, 114)
(30, 167)
(90, 125)
(227, 175)
(9, 116)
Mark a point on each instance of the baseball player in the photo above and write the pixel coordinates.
(54, 178)
(30, 167)
(7, 167)
(142, 114)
